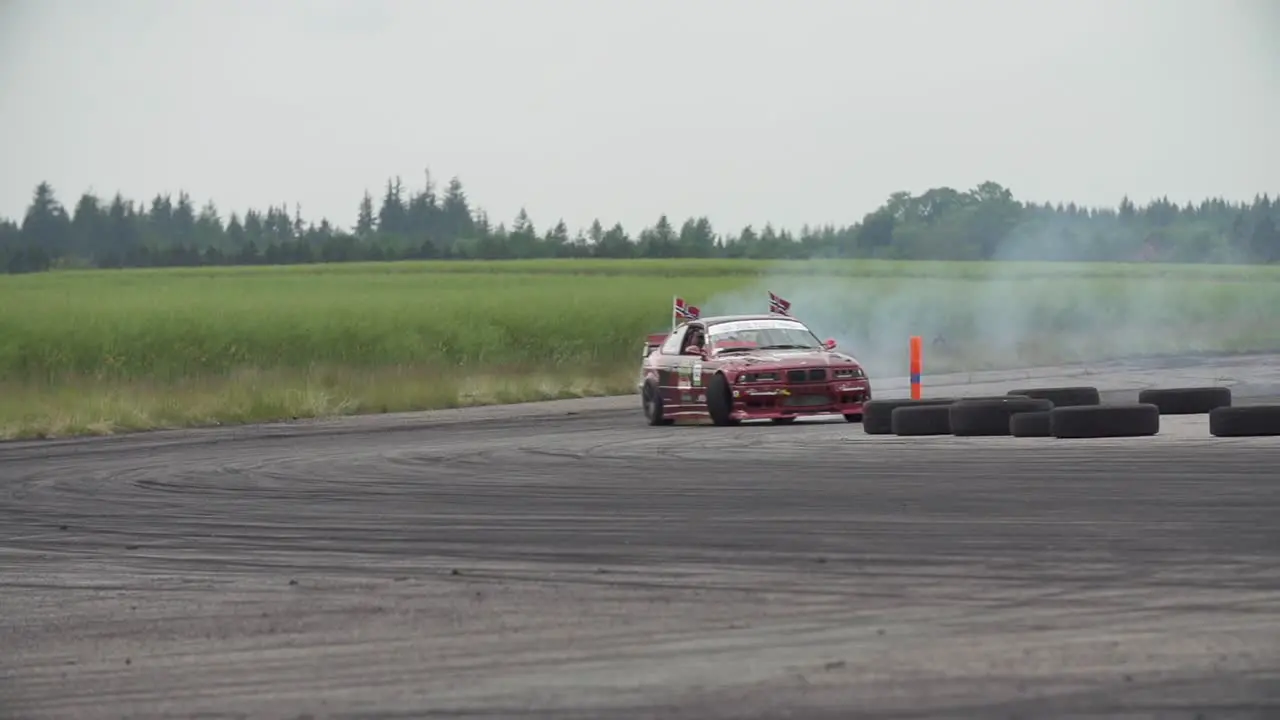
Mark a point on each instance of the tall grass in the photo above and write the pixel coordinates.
(101, 350)
(169, 326)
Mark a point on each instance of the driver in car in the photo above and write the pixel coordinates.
(694, 343)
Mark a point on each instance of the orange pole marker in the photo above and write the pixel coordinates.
(916, 365)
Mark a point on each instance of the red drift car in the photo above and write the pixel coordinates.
(747, 367)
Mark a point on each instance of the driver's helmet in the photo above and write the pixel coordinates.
(696, 339)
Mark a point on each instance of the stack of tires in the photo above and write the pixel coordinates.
(1066, 412)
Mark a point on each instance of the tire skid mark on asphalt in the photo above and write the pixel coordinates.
(571, 564)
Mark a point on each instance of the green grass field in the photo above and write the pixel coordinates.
(103, 351)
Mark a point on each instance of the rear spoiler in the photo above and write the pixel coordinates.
(653, 342)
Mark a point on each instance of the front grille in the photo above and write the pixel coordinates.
(806, 400)
(811, 375)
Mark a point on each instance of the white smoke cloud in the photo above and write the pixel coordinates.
(1020, 314)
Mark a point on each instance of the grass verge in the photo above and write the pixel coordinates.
(85, 406)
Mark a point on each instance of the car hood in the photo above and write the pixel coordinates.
(766, 359)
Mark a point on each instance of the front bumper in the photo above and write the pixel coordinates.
(778, 400)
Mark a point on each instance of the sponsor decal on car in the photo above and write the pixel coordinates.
(765, 393)
(729, 328)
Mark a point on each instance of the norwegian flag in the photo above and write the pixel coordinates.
(778, 306)
(685, 311)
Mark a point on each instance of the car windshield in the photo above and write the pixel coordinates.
(748, 335)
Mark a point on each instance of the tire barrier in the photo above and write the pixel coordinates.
(1063, 396)
(877, 415)
(1186, 401)
(1031, 424)
(1067, 412)
(909, 420)
(990, 416)
(1100, 421)
(1247, 421)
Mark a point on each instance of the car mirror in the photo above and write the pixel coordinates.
(830, 344)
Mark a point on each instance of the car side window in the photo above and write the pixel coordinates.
(673, 343)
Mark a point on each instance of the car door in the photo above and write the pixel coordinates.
(685, 384)
(671, 364)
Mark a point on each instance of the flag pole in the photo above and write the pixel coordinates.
(673, 313)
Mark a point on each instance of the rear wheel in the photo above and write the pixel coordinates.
(720, 401)
(652, 401)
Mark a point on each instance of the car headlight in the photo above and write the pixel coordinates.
(758, 377)
(849, 373)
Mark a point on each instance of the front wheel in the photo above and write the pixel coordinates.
(720, 401)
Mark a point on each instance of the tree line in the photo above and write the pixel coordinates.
(983, 223)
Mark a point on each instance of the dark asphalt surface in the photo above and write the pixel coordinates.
(587, 566)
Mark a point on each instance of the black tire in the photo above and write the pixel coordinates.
(720, 401)
(1247, 421)
(877, 415)
(915, 420)
(990, 416)
(651, 402)
(1030, 424)
(1101, 421)
(1186, 401)
(853, 417)
(1063, 396)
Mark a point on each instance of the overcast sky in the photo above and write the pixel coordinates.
(792, 111)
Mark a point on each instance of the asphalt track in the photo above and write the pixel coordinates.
(566, 561)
